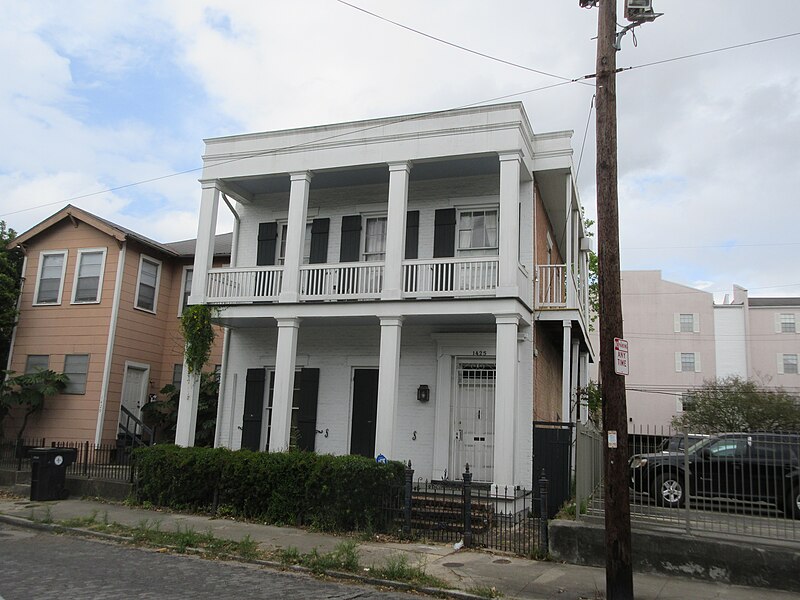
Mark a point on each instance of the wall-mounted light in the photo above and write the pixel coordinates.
(423, 393)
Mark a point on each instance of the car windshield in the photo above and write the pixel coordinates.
(697, 446)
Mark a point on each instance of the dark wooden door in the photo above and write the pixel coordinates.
(253, 409)
(365, 410)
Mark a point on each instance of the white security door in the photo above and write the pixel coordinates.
(134, 390)
(472, 431)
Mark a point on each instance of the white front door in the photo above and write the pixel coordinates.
(472, 422)
(134, 390)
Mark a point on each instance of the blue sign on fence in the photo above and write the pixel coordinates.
(381, 459)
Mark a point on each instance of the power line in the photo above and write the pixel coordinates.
(458, 46)
(382, 123)
(565, 81)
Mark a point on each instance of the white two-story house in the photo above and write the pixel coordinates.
(411, 287)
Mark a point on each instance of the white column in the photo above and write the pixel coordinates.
(505, 399)
(283, 392)
(573, 385)
(566, 378)
(204, 249)
(509, 223)
(295, 233)
(187, 407)
(388, 386)
(583, 381)
(396, 231)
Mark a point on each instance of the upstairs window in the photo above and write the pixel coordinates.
(477, 233)
(282, 244)
(786, 323)
(687, 323)
(177, 375)
(147, 283)
(186, 289)
(375, 239)
(687, 362)
(50, 281)
(88, 276)
(787, 364)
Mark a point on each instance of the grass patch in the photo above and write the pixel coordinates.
(343, 558)
(149, 533)
(397, 568)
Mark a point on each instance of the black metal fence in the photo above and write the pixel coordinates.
(476, 515)
(106, 461)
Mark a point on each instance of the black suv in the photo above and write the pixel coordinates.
(751, 467)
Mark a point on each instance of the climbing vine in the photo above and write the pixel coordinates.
(198, 335)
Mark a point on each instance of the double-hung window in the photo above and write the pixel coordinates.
(477, 232)
(375, 239)
(147, 284)
(787, 323)
(36, 362)
(687, 323)
(687, 362)
(88, 276)
(186, 289)
(76, 367)
(787, 364)
(282, 244)
(50, 280)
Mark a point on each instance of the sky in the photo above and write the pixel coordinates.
(119, 95)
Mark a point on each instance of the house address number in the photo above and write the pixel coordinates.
(479, 353)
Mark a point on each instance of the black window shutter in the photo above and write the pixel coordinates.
(319, 241)
(307, 409)
(444, 233)
(267, 241)
(253, 408)
(350, 249)
(412, 234)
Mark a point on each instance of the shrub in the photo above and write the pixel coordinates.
(332, 493)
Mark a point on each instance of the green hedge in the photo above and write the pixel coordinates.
(341, 493)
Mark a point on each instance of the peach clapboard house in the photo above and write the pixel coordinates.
(100, 303)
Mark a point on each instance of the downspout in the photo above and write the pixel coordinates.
(19, 306)
(226, 336)
(112, 332)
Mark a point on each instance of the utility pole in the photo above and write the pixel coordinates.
(619, 567)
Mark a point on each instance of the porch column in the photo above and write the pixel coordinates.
(188, 400)
(573, 384)
(569, 231)
(509, 223)
(395, 231)
(505, 399)
(283, 392)
(204, 250)
(388, 386)
(566, 378)
(583, 381)
(295, 233)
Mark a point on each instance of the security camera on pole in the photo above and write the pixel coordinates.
(619, 570)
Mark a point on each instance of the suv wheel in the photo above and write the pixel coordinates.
(668, 490)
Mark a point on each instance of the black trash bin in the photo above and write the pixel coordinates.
(49, 472)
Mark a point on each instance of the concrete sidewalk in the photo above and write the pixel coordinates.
(512, 576)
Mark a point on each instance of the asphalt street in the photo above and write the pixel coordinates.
(43, 566)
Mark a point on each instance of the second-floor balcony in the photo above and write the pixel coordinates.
(427, 278)
(558, 288)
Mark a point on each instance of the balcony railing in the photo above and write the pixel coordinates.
(450, 277)
(557, 287)
(356, 281)
(247, 284)
(362, 280)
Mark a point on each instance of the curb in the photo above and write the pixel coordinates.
(341, 575)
